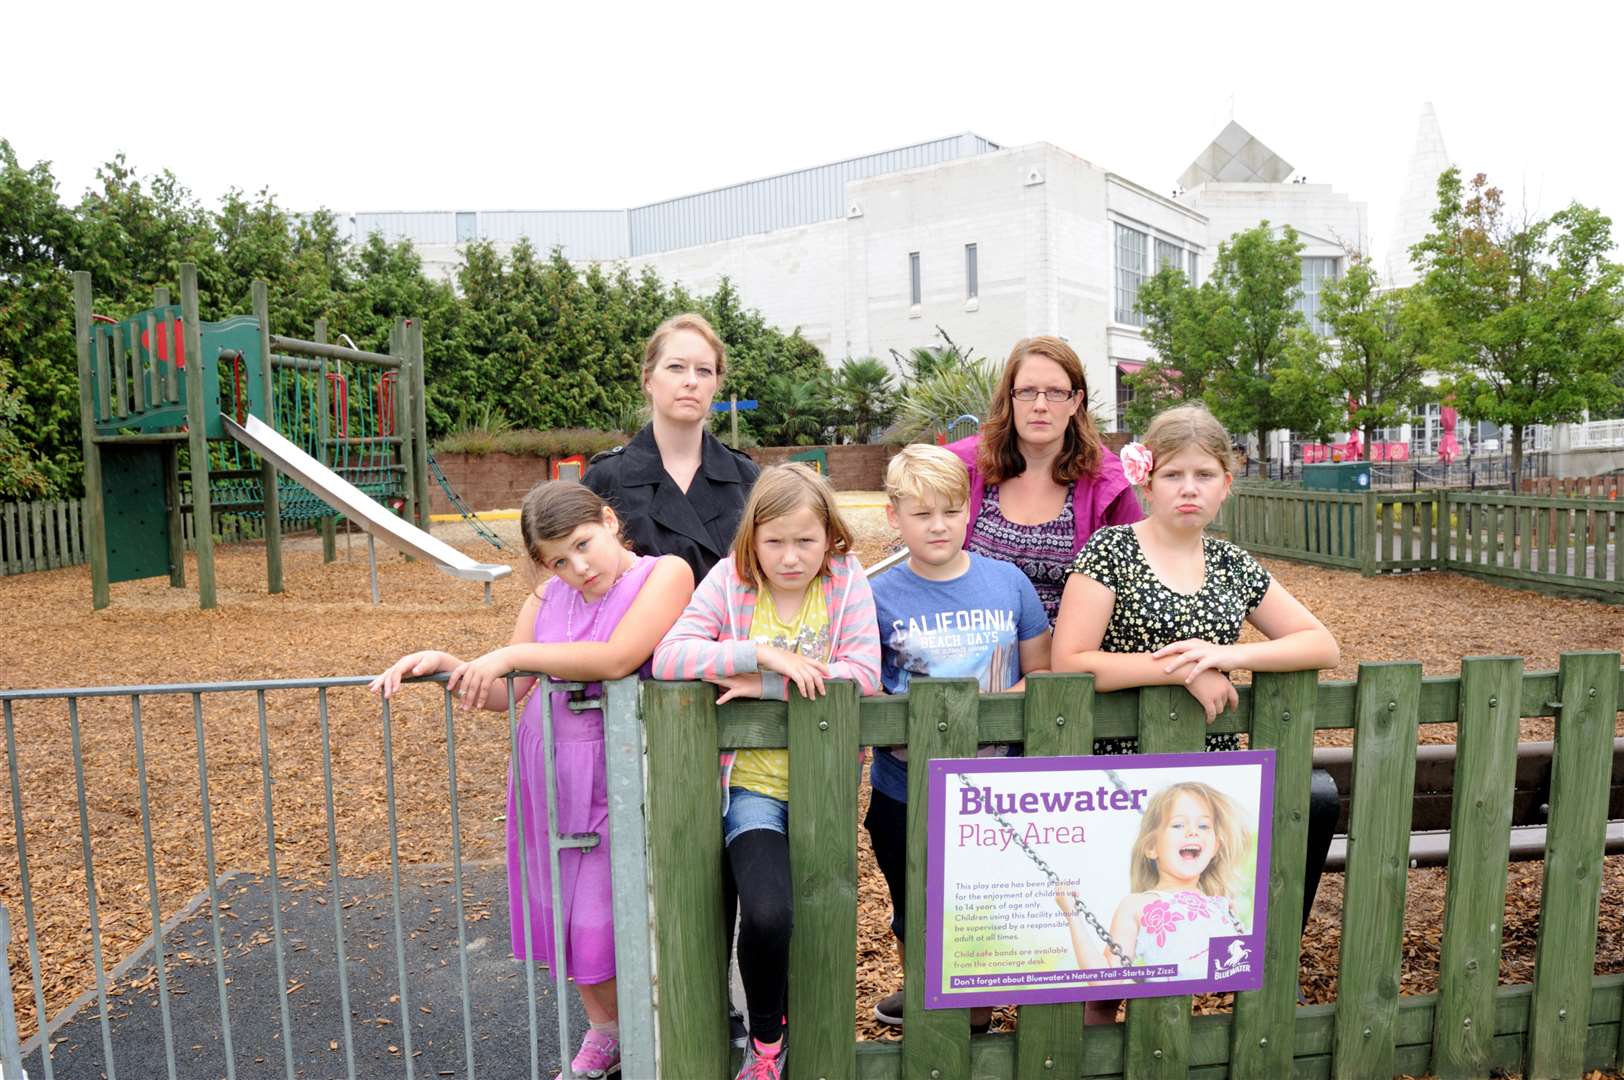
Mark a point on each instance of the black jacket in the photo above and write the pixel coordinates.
(659, 518)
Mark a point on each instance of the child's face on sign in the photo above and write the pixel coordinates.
(1187, 842)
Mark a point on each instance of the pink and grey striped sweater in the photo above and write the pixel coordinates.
(712, 638)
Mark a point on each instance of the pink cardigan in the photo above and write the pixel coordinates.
(712, 638)
(1101, 499)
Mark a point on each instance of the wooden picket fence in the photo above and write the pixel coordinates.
(1567, 545)
(1567, 1021)
(49, 534)
(41, 535)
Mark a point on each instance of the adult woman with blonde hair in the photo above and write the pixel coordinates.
(678, 489)
(1041, 481)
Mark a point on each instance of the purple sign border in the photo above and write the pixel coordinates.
(940, 768)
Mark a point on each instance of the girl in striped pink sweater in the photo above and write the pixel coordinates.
(790, 605)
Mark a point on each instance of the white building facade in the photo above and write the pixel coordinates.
(990, 244)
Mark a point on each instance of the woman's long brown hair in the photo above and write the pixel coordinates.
(999, 453)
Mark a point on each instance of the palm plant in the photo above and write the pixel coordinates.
(928, 407)
(865, 396)
(797, 411)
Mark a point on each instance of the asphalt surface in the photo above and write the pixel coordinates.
(321, 1046)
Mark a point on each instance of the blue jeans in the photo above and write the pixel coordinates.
(747, 810)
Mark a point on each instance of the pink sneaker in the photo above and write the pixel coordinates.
(759, 1066)
(599, 1057)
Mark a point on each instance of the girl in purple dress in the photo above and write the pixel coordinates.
(599, 617)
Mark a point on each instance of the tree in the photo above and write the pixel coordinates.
(865, 397)
(1228, 341)
(1374, 359)
(1527, 315)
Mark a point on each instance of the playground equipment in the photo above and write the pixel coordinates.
(179, 415)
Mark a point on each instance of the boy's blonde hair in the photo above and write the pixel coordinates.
(780, 490)
(931, 474)
(1232, 840)
(1185, 426)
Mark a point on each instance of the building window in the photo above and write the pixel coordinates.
(972, 284)
(1192, 267)
(1426, 429)
(1124, 398)
(1132, 267)
(467, 227)
(1317, 270)
(913, 278)
(1168, 254)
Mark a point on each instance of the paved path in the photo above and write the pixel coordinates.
(499, 1002)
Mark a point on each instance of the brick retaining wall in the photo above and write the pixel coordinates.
(499, 481)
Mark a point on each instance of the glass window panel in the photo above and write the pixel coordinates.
(1132, 267)
(913, 278)
(972, 287)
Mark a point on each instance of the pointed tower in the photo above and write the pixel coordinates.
(1418, 200)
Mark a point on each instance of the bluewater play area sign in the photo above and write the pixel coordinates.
(1076, 878)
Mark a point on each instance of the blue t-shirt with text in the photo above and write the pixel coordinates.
(968, 627)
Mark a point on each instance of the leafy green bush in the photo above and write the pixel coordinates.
(527, 442)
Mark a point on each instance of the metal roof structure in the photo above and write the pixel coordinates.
(787, 200)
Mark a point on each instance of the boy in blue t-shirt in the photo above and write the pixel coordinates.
(944, 613)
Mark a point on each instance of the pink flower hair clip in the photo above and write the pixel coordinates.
(1136, 463)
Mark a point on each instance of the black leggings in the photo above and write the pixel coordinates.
(758, 868)
(887, 825)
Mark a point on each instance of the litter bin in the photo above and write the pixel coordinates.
(1343, 476)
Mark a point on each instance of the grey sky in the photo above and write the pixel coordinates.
(487, 106)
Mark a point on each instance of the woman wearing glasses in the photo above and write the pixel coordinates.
(1041, 482)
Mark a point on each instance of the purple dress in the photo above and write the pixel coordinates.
(583, 804)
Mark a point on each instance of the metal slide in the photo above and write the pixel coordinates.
(356, 505)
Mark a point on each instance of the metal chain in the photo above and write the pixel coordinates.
(1054, 879)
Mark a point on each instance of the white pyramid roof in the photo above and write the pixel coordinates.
(1236, 156)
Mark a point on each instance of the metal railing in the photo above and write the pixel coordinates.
(52, 947)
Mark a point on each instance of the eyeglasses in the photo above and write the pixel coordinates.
(1030, 393)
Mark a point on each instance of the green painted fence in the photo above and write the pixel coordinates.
(49, 534)
(1559, 544)
(1566, 1021)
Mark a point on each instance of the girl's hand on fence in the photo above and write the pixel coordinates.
(1215, 693)
(806, 673)
(426, 662)
(739, 686)
(473, 681)
(1200, 655)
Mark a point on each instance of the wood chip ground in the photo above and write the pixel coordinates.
(324, 625)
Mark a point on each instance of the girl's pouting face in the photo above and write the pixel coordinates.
(1187, 488)
(589, 559)
(1186, 842)
(684, 378)
(791, 549)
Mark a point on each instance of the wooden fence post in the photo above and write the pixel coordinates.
(1570, 893)
(1283, 708)
(1367, 535)
(1059, 717)
(942, 723)
(1387, 711)
(823, 761)
(1479, 844)
(1158, 1036)
(685, 850)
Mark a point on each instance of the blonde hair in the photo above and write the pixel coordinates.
(691, 321)
(780, 490)
(1180, 428)
(1232, 840)
(927, 473)
(998, 454)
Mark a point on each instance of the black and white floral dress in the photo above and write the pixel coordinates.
(1148, 615)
